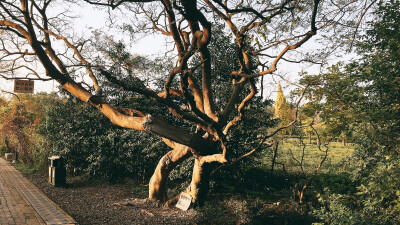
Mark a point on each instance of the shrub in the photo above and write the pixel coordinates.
(375, 201)
(91, 145)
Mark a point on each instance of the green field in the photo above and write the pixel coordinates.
(291, 151)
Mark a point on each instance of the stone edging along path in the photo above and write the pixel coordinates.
(21, 202)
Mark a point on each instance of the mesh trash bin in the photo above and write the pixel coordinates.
(57, 172)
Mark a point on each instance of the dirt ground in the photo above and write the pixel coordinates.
(98, 202)
(101, 203)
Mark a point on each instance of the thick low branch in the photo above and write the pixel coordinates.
(233, 162)
(212, 158)
(173, 133)
(149, 93)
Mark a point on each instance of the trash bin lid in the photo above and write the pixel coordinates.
(54, 157)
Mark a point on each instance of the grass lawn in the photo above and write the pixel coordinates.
(291, 151)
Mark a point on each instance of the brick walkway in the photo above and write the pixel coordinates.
(23, 203)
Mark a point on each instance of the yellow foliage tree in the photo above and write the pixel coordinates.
(282, 107)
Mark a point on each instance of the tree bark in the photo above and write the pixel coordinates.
(158, 182)
(199, 186)
(274, 158)
(200, 183)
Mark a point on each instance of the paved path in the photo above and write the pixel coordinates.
(23, 203)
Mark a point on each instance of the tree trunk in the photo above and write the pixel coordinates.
(274, 158)
(158, 182)
(199, 186)
(200, 183)
(301, 195)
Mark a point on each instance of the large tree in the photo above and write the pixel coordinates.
(37, 41)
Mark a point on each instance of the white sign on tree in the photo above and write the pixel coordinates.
(184, 201)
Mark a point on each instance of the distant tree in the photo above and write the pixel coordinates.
(282, 110)
(282, 107)
(14, 132)
(20, 119)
